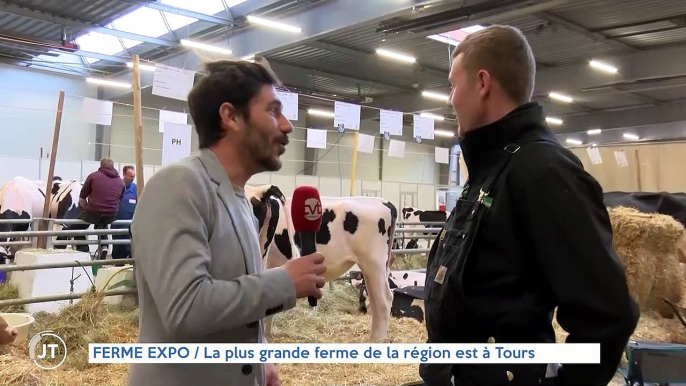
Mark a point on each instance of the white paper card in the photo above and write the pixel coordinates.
(176, 142)
(172, 82)
(289, 100)
(620, 156)
(365, 143)
(316, 138)
(347, 114)
(97, 111)
(442, 155)
(423, 127)
(391, 122)
(594, 155)
(173, 117)
(396, 149)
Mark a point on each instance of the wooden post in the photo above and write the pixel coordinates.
(354, 165)
(138, 124)
(42, 241)
(638, 170)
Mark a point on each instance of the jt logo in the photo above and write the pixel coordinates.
(52, 346)
(53, 353)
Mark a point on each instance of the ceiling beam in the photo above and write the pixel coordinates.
(596, 36)
(182, 12)
(36, 15)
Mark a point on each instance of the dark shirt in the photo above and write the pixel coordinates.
(104, 189)
(541, 239)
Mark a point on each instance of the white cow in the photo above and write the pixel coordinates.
(354, 231)
(414, 215)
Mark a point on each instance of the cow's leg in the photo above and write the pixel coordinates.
(380, 295)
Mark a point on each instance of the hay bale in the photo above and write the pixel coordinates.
(647, 247)
(7, 292)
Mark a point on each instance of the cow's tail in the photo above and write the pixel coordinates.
(391, 234)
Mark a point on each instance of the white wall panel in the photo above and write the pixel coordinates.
(285, 183)
(330, 187)
(391, 192)
(11, 167)
(67, 170)
(427, 197)
(307, 181)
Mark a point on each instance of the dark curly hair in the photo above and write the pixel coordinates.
(235, 82)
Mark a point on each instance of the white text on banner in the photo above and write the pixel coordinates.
(176, 142)
(97, 111)
(347, 114)
(172, 82)
(566, 353)
(391, 122)
(423, 127)
(173, 117)
(289, 102)
(316, 139)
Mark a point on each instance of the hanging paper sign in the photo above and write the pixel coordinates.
(347, 114)
(172, 82)
(176, 142)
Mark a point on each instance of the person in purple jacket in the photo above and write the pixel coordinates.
(100, 196)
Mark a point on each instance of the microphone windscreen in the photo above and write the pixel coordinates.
(306, 209)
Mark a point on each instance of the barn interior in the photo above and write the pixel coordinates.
(81, 81)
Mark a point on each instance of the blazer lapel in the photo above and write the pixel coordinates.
(228, 198)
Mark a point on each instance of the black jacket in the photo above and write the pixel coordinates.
(544, 240)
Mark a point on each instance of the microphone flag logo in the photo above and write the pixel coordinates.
(313, 209)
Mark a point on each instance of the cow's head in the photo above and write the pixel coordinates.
(408, 211)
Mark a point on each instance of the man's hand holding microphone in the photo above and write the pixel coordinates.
(307, 271)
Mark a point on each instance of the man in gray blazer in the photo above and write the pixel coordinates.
(195, 239)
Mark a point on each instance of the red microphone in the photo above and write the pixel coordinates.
(306, 212)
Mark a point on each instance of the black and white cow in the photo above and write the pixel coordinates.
(20, 199)
(354, 231)
(413, 215)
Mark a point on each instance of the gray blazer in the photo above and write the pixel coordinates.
(198, 272)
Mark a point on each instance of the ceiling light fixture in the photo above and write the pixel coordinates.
(432, 116)
(274, 24)
(143, 67)
(205, 47)
(593, 132)
(108, 83)
(321, 113)
(560, 97)
(602, 66)
(574, 141)
(435, 95)
(631, 136)
(444, 133)
(553, 121)
(397, 56)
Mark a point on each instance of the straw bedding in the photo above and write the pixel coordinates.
(647, 246)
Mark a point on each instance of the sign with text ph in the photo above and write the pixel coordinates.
(342, 353)
(172, 82)
(176, 142)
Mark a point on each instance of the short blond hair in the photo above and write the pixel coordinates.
(505, 53)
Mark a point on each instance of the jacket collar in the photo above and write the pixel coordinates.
(478, 145)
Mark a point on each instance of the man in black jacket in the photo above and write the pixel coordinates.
(529, 233)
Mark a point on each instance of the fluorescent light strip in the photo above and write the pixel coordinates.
(321, 113)
(631, 136)
(593, 132)
(395, 55)
(574, 141)
(273, 24)
(434, 95)
(560, 97)
(554, 121)
(444, 133)
(108, 83)
(602, 66)
(143, 67)
(205, 47)
(432, 116)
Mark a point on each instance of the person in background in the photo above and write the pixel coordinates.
(100, 196)
(529, 234)
(7, 333)
(127, 206)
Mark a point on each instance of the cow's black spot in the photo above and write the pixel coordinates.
(405, 276)
(394, 211)
(259, 210)
(407, 212)
(324, 234)
(382, 226)
(391, 284)
(284, 245)
(350, 223)
(298, 241)
(273, 222)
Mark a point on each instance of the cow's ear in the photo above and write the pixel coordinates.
(276, 192)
